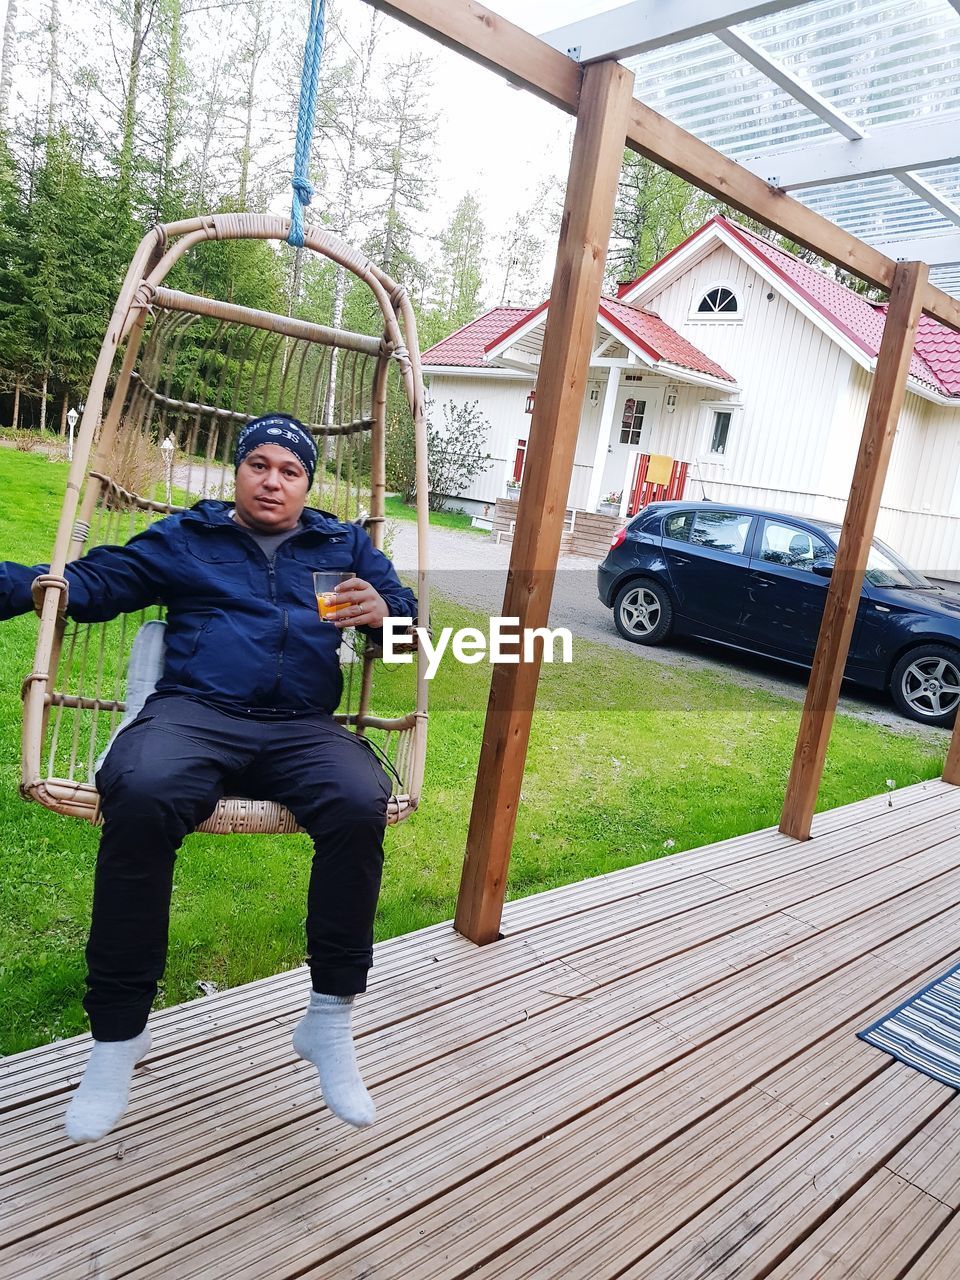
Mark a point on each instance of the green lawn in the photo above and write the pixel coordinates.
(629, 760)
(396, 509)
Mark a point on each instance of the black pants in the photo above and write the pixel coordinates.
(163, 776)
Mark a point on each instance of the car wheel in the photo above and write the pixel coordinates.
(642, 612)
(925, 684)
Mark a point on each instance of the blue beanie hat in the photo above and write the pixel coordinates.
(280, 429)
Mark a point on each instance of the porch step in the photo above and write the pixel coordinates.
(586, 533)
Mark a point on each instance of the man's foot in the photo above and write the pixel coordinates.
(324, 1038)
(103, 1093)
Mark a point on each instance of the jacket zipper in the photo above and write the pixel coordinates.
(272, 580)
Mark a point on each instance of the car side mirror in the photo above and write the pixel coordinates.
(823, 568)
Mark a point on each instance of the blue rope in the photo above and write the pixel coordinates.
(302, 187)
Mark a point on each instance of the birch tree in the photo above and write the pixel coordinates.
(8, 60)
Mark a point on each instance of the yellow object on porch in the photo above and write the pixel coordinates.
(660, 469)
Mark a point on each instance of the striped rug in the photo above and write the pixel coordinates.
(924, 1031)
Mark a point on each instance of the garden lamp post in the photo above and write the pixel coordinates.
(166, 452)
(72, 417)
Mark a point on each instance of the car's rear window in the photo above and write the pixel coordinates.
(721, 530)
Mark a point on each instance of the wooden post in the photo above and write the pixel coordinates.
(843, 597)
(951, 766)
(571, 322)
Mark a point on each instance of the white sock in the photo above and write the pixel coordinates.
(103, 1093)
(324, 1038)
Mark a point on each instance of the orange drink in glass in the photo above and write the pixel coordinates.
(325, 584)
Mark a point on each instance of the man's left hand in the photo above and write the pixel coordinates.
(365, 607)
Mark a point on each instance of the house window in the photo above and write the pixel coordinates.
(719, 301)
(519, 460)
(721, 429)
(631, 424)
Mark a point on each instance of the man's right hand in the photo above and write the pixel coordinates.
(38, 589)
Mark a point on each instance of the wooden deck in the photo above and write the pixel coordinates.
(653, 1075)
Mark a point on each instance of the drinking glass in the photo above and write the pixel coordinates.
(325, 583)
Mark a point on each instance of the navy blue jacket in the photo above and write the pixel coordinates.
(240, 632)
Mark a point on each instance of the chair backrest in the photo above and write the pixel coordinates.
(194, 370)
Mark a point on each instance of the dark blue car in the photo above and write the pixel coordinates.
(757, 580)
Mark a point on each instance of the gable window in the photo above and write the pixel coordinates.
(631, 424)
(721, 429)
(719, 301)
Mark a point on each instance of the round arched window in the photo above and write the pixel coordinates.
(719, 301)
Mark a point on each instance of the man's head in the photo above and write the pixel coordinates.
(275, 459)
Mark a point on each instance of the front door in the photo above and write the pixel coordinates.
(634, 426)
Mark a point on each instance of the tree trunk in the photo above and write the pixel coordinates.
(8, 61)
(54, 65)
(63, 413)
(16, 404)
(142, 17)
(43, 394)
(348, 203)
(255, 52)
(170, 121)
(390, 233)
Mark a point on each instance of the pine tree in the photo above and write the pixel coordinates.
(404, 132)
(458, 273)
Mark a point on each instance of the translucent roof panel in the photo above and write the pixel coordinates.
(947, 279)
(877, 209)
(710, 91)
(876, 62)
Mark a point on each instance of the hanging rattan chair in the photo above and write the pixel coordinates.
(194, 370)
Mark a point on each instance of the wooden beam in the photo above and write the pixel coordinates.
(887, 393)
(561, 384)
(485, 37)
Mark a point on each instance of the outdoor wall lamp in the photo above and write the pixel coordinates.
(531, 400)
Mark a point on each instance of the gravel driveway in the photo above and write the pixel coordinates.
(471, 569)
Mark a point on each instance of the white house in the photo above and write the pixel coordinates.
(744, 363)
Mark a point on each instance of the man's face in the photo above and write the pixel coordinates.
(271, 490)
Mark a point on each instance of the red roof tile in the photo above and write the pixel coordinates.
(466, 346)
(656, 336)
(939, 348)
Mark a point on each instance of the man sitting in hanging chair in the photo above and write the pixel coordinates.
(251, 678)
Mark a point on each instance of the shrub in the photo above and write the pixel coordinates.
(455, 455)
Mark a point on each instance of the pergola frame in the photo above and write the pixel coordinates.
(643, 27)
(607, 118)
